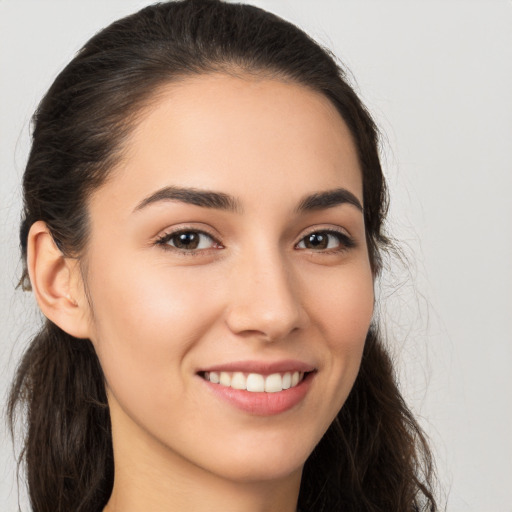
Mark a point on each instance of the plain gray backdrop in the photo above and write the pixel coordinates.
(437, 75)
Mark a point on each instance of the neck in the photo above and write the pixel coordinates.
(135, 494)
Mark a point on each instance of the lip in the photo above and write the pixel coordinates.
(261, 367)
(261, 404)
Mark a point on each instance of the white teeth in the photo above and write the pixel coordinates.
(287, 380)
(225, 379)
(256, 382)
(274, 383)
(238, 381)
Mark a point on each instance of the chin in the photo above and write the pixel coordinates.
(264, 471)
(259, 462)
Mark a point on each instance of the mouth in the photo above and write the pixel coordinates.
(256, 382)
(261, 389)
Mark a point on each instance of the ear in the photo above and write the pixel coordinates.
(57, 283)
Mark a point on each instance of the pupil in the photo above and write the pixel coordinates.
(317, 240)
(187, 240)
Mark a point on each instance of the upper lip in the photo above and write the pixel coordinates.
(261, 367)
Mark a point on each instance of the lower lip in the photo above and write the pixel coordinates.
(263, 404)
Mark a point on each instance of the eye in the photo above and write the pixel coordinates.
(188, 240)
(327, 240)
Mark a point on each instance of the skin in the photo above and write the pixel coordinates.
(157, 314)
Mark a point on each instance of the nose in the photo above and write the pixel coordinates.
(265, 302)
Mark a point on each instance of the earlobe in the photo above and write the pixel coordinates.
(56, 282)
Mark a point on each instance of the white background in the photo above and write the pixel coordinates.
(437, 75)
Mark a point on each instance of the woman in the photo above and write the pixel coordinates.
(202, 230)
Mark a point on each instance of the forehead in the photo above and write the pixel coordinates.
(229, 133)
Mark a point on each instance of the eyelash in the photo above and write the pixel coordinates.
(345, 242)
(167, 237)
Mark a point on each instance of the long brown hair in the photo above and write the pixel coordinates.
(374, 457)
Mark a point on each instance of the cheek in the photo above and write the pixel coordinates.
(344, 311)
(344, 306)
(145, 322)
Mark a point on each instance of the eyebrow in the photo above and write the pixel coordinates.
(197, 197)
(222, 201)
(328, 199)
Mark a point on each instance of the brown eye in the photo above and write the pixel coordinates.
(325, 240)
(188, 240)
(317, 241)
(185, 241)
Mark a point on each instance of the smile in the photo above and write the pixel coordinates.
(255, 382)
(261, 388)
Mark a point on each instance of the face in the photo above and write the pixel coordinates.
(229, 245)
